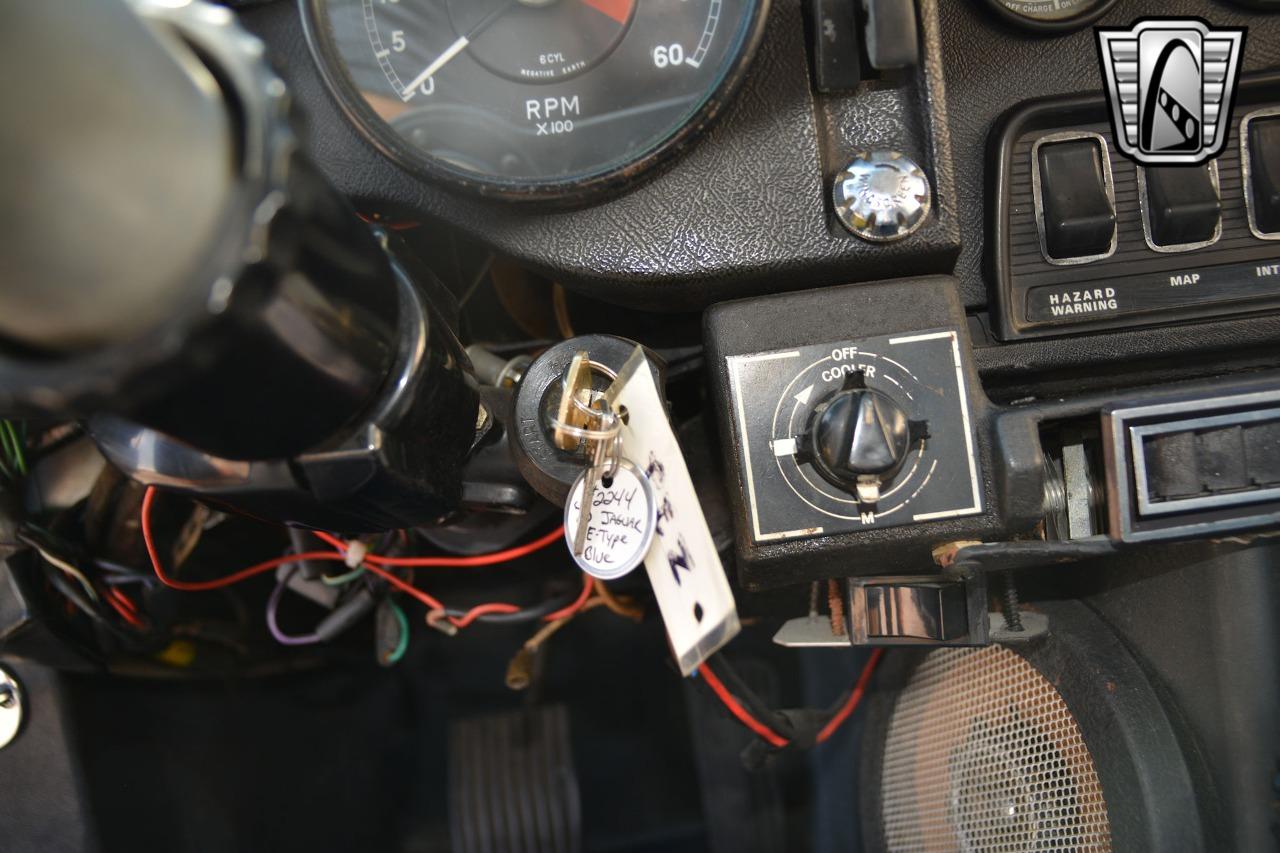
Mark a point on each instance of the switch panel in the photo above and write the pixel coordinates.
(857, 434)
(1181, 207)
(1191, 243)
(1075, 198)
(1260, 132)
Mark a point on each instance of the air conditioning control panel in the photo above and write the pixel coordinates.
(853, 435)
(856, 434)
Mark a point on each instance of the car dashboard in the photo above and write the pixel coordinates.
(631, 425)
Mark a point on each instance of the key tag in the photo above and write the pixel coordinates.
(683, 564)
(621, 517)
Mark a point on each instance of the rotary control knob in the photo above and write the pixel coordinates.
(859, 438)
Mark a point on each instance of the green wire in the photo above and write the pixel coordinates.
(339, 580)
(14, 446)
(5, 442)
(403, 645)
(7, 460)
(20, 446)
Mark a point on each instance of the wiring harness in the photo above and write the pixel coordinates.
(379, 565)
(102, 595)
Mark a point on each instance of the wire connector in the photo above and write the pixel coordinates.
(520, 669)
(356, 552)
(439, 620)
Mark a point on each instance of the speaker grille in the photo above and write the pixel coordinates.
(983, 755)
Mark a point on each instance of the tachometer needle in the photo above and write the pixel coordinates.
(450, 52)
(454, 49)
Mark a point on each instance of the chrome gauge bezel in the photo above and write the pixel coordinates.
(1095, 10)
(576, 188)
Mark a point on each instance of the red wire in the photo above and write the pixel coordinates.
(372, 563)
(127, 609)
(404, 586)
(123, 599)
(481, 609)
(199, 586)
(743, 715)
(394, 226)
(855, 697)
(504, 556)
(588, 586)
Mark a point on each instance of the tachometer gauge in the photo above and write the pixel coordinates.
(1051, 15)
(534, 98)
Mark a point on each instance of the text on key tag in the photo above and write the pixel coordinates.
(621, 518)
(683, 564)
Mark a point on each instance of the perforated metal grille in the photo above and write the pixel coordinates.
(983, 755)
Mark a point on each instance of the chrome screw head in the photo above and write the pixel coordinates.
(882, 196)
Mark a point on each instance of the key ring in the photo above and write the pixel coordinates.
(608, 455)
(615, 451)
(612, 431)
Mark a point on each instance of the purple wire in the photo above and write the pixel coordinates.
(273, 604)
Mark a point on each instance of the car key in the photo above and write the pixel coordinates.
(612, 541)
(601, 463)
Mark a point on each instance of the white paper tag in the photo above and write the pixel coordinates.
(621, 520)
(684, 568)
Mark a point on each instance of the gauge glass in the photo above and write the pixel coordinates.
(531, 96)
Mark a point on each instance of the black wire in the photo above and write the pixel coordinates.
(527, 614)
(64, 586)
(518, 617)
(476, 280)
(683, 367)
(37, 537)
(781, 723)
(749, 699)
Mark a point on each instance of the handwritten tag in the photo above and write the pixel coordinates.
(683, 564)
(621, 518)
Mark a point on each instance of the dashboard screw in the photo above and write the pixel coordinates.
(882, 196)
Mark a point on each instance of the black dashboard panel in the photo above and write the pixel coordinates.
(743, 210)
